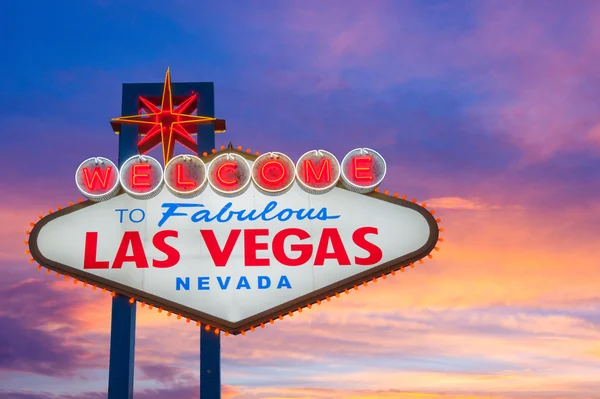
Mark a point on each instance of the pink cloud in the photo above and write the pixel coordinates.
(458, 203)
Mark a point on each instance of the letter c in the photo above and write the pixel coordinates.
(221, 179)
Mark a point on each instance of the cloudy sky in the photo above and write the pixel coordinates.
(489, 111)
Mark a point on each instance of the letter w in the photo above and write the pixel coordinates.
(96, 174)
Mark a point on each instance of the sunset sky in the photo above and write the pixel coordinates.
(488, 111)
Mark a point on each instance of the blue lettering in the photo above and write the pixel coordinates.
(299, 214)
(264, 282)
(243, 283)
(225, 214)
(322, 215)
(310, 215)
(121, 214)
(202, 215)
(284, 218)
(221, 284)
(251, 215)
(171, 208)
(284, 282)
(179, 282)
(222, 211)
(142, 216)
(270, 206)
(203, 283)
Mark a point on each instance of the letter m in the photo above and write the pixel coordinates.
(324, 171)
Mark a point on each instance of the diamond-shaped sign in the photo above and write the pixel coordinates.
(234, 262)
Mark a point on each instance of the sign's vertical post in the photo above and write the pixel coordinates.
(122, 328)
(210, 365)
(210, 343)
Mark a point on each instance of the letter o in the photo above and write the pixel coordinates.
(141, 211)
(273, 173)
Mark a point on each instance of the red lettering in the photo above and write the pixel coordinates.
(90, 252)
(361, 165)
(137, 174)
(173, 255)
(232, 166)
(279, 250)
(276, 171)
(179, 179)
(138, 256)
(374, 251)
(339, 252)
(218, 255)
(96, 174)
(324, 172)
(251, 247)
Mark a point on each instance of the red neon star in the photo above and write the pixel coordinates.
(167, 125)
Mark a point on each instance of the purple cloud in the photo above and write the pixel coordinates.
(39, 334)
(166, 374)
(177, 392)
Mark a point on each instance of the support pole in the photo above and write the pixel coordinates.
(122, 325)
(210, 365)
(210, 343)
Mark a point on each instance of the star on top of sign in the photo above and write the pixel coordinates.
(165, 124)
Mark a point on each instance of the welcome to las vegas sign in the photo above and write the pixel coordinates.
(226, 241)
(234, 240)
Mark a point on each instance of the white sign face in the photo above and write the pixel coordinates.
(235, 262)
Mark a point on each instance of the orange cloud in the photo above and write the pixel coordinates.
(458, 203)
(323, 393)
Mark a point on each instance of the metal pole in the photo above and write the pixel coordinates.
(210, 365)
(122, 328)
(210, 343)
